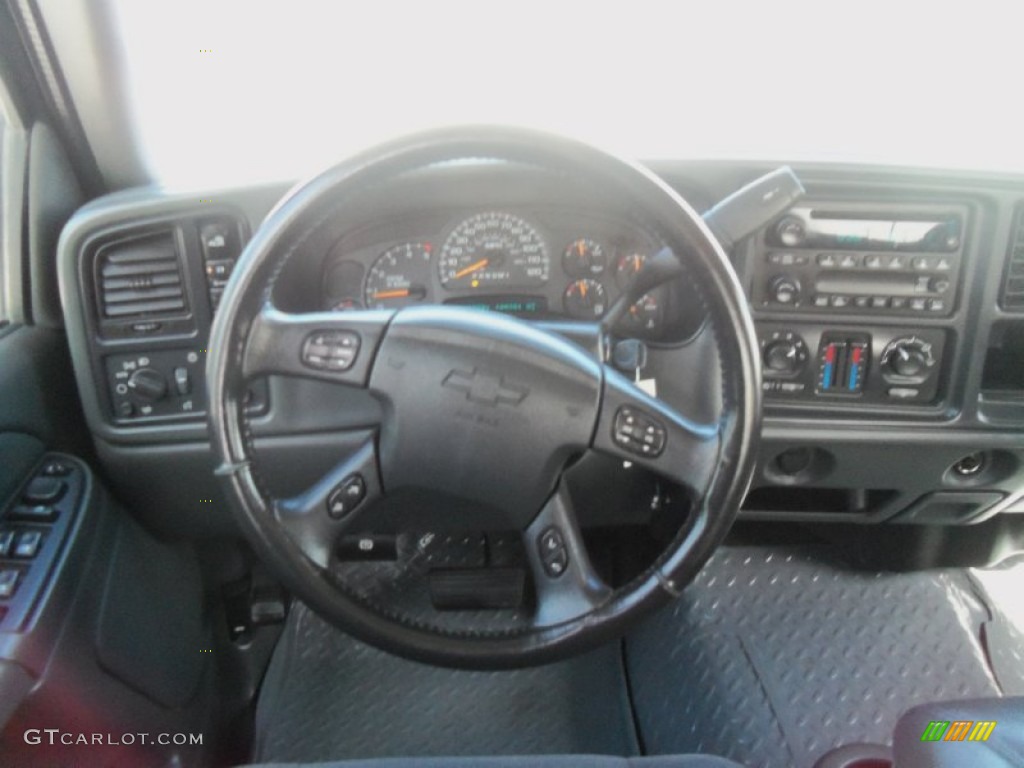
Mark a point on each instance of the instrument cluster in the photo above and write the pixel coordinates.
(534, 266)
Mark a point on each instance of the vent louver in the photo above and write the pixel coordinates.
(1013, 280)
(141, 277)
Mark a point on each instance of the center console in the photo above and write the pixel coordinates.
(855, 302)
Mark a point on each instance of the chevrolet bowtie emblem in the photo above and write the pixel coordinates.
(485, 388)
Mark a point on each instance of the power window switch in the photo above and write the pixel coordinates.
(6, 542)
(28, 544)
(34, 513)
(8, 581)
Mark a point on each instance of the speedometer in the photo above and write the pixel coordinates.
(494, 250)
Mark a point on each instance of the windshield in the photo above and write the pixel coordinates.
(239, 91)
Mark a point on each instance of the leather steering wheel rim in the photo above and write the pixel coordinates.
(245, 311)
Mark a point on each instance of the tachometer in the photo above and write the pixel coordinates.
(399, 276)
(491, 250)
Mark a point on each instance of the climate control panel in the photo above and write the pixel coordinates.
(861, 365)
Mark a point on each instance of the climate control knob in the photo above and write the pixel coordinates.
(908, 358)
(148, 384)
(784, 290)
(784, 353)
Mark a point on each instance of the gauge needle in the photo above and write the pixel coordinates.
(472, 268)
(414, 291)
(400, 293)
(583, 290)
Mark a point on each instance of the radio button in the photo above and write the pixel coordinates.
(821, 300)
(897, 261)
(849, 261)
(918, 305)
(826, 259)
(873, 261)
(785, 290)
(800, 259)
(862, 302)
(940, 285)
(840, 301)
(922, 262)
(790, 231)
(898, 302)
(936, 305)
(944, 264)
(879, 302)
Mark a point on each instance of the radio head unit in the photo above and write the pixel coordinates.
(825, 257)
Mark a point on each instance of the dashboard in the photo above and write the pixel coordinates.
(534, 264)
(889, 306)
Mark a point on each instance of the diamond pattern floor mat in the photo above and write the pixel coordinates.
(773, 656)
(330, 697)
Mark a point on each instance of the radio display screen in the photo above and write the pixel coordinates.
(846, 231)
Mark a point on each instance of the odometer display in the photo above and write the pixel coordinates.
(492, 250)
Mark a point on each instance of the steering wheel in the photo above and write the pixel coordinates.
(484, 412)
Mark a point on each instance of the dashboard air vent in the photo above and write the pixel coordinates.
(141, 277)
(1013, 281)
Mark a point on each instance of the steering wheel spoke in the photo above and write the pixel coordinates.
(334, 505)
(565, 581)
(333, 346)
(648, 432)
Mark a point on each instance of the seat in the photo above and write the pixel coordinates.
(539, 761)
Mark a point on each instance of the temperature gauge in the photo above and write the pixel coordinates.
(586, 299)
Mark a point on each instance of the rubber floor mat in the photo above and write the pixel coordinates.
(773, 657)
(330, 697)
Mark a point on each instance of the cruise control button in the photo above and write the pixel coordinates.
(8, 581)
(331, 350)
(346, 496)
(28, 544)
(554, 555)
(6, 540)
(638, 433)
